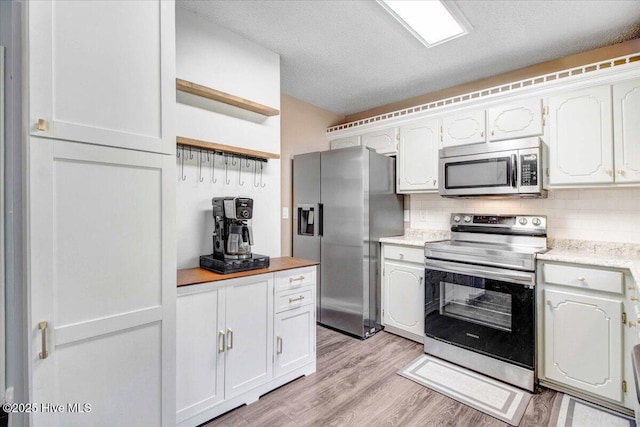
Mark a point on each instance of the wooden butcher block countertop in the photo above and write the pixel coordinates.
(193, 276)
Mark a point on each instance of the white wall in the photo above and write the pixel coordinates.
(212, 56)
(606, 215)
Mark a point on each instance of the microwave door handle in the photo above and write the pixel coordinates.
(514, 171)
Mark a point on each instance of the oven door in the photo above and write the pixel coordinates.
(483, 309)
(479, 174)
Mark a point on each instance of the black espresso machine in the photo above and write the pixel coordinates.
(232, 237)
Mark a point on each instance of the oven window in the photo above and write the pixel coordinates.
(493, 172)
(479, 306)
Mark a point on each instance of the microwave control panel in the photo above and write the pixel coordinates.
(529, 170)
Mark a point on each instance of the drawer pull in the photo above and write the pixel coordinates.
(401, 255)
(580, 278)
(292, 300)
(296, 279)
(279, 346)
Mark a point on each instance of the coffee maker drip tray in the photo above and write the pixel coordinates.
(224, 266)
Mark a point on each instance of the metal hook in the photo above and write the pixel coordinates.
(240, 181)
(255, 173)
(234, 160)
(226, 169)
(261, 184)
(200, 165)
(213, 168)
(190, 154)
(248, 160)
(184, 177)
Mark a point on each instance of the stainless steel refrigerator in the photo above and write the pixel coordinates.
(344, 202)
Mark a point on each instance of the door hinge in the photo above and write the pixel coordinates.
(547, 171)
(624, 386)
(624, 318)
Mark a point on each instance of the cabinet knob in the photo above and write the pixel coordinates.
(580, 278)
(608, 172)
(401, 256)
(41, 125)
(620, 171)
(435, 181)
(491, 132)
(481, 133)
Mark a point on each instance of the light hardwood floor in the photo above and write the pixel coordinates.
(356, 385)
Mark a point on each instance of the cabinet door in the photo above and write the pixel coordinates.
(583, 342)
(295, 334)
(383, 141)
(351, 141)
(626, 130)
(463, 128)
(103, 277)
(517, 120)
(418, 157)
(580, 142)
(249, 333)
(200, 349)
(103, 72)
(404, 297)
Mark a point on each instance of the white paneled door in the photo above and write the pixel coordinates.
(102, 284)
(418, 157)
(626, 130)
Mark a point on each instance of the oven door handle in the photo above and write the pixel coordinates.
(522, 278)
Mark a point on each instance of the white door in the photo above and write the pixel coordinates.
(418, 157)
(463, 128)
(580, 137)
(200, 331)
(249, 333)
(295, 336)
(517, 120)
(383, 141)
(583, 342)
(102, 277)
(103, 72)
(626, 130)
(404, 297)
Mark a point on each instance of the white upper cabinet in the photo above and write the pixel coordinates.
(580, 137)
(103, 74)
(384, 141)
(418, 157)
(349, 141)
(463, 128)
(626, 130)
(517, 120)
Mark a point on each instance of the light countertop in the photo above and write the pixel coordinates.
(601, 254)
(416, 237)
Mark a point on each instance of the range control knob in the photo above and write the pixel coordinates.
(523, 221)
(467, 218)
(536, 221)
(456, 218)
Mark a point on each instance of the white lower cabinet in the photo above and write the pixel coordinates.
(586, 340)
(230, 352)
(403, 291)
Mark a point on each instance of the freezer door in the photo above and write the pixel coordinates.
(342, 293)
(306, 197)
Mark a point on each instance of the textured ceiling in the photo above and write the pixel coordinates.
(348, 56)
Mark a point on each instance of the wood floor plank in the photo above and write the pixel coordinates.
(356, 384)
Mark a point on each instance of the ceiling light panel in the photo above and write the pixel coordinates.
(431, 21)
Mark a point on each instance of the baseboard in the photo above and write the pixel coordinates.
(404, 334)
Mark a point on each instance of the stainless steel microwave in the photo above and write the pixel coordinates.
(495, 169)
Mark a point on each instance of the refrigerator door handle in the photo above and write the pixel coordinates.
(320, 218)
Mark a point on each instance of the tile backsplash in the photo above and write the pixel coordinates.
(607, 214)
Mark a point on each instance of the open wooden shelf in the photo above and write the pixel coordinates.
(216, 95)
(215, 147)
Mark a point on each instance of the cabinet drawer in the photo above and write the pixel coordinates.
(404, 253)
(294, 298)
(296, 278)
(584, 277)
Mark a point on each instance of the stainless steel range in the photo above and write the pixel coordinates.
(480, 297)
